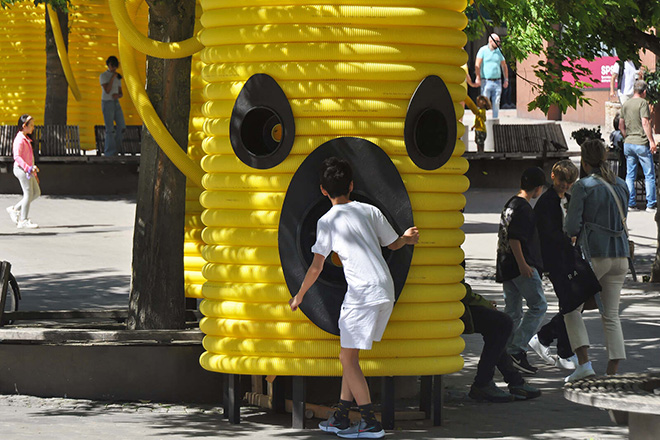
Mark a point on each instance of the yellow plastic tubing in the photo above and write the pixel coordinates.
(145, 44)
(149, 116)
(62, 53)
(347, 68)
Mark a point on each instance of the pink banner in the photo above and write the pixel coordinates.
(601, 69)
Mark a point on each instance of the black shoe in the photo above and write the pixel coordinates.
(521, 363)
(489, 392)
(524, 391)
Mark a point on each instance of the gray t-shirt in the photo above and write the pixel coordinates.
(632, 113)
(104, 79)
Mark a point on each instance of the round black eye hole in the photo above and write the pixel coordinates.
(262, 127)
(431, 133)
(430, 128)
(261, 131)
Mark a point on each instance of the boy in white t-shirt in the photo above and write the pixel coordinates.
(355, 232)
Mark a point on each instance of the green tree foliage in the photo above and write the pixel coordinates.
(573, 30)
(57, 4)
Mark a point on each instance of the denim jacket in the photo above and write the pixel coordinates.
(593, 216)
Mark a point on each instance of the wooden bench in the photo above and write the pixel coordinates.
(131, 142)
(48, 141)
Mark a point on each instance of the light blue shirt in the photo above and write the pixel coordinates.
(492, 62)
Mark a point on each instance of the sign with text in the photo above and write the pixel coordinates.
(600, 68)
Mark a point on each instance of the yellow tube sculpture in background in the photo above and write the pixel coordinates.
(92, 38)
(288, 81)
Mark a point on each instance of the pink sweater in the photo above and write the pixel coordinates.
(23, 156)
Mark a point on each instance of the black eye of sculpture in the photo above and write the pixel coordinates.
(430, 128)
(262, 128)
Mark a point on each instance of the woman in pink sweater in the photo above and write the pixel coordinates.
(26, 172)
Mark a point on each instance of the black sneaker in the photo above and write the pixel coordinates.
(335, 424)
(490, 393)
(363, 430)
(524, 391)
(520, 362)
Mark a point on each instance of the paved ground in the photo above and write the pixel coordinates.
(81, 257)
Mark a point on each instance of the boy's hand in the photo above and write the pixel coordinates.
(526, 270)
(295, 302)
(411, 236)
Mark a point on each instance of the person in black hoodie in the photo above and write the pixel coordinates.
(550, 211)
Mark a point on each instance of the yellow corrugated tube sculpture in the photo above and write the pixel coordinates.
(92, 38)
(288, 84)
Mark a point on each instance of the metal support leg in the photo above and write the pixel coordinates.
(298, 400)
(387, 403)
(234, 398)
(278, 395)
(225, 396)
(425, 395)
(436, 401)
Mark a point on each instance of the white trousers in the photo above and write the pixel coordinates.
(30, 189)
(610, 273)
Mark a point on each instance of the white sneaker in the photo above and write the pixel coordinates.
(541, 350)
(581, 372)
(653, 210)
(13, 214)
(568, 363)
(26, 224)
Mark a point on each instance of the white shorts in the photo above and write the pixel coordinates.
(360, 326)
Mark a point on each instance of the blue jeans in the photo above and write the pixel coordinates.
(640, 154)
(113, 134)
(492, 89)
(524, 326)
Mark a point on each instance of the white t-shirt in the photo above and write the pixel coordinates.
(355, 232)
(104, 79)
(629, 77)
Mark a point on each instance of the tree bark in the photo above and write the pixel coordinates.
(157, 298)
(57, 92)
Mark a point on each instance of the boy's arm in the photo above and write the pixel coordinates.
(411, 236)
(310, 278)
(516, 248)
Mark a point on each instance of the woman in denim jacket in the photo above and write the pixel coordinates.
(593, 217)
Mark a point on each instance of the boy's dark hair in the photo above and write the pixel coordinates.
(532, 178)
(112, 61)
(616, 120)
(336, 176)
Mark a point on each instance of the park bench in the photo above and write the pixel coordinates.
(631, 398)
(50, 141)
(131, 142)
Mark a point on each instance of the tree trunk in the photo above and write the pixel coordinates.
(57, 92)
(157, 298)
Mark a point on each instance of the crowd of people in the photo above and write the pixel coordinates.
(538, 240)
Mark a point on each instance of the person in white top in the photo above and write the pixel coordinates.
(355, 232)
(626, 79)
(112, 114)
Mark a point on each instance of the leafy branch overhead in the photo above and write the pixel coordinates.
(574, 29)
(62, 5)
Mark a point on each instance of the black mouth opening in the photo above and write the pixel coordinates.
(377, 182)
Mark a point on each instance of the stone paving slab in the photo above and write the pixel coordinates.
(81, 258)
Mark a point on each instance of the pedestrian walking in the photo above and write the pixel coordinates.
(26, 172)
(596, 217)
